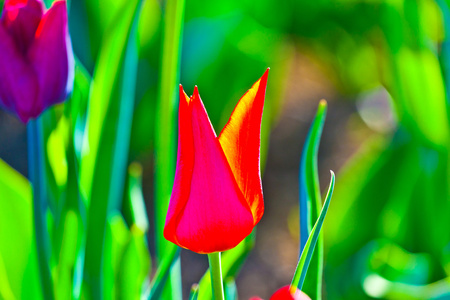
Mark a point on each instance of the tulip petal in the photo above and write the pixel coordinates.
(241, 139)
(215, 215)
(21, 19)
(18, 85)
(185, 165)
(51, 57)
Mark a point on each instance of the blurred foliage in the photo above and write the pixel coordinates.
(396, 187)
(220, 42)
(91, 216)
(18, 261)
(387, 232)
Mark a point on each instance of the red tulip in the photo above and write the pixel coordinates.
(36, 61)
(217, 195)
(285, 294)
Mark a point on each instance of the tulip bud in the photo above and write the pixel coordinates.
(285, 294)
(217, 196)
(36, 63)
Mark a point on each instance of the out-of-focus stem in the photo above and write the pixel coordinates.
(36, 163)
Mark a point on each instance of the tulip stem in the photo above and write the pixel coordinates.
(215, 269)
(36, 164)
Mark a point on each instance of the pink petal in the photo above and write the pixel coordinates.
(21, 19)
(18, 85)
(241, 139)
(51, 57)
(212, 215)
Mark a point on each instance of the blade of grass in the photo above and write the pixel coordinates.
(311, 200)
(165, 138)
(305, 258)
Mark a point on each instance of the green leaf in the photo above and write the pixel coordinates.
(414, 73)
(18, 260)
(106, 140)
(134, 268)
(311, 200)
(116, 239)
(165, 134)
(67, 256)
(305, 258)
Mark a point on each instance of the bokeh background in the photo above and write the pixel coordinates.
(382, 66)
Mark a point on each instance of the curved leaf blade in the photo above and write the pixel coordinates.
(311, 199)
(305, 258)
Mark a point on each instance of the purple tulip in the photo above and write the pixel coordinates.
(36, 59)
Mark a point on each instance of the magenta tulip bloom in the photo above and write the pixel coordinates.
(217, 195)
(36, 61)
(285, 293)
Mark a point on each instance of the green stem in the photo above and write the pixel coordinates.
(215, 269)
(165, 134)
(36, 162)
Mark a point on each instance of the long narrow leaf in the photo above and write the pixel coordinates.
(165, 137)
(105, 147)
(305, 258)
(311, 200)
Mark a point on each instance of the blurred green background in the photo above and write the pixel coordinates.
(384, 67)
